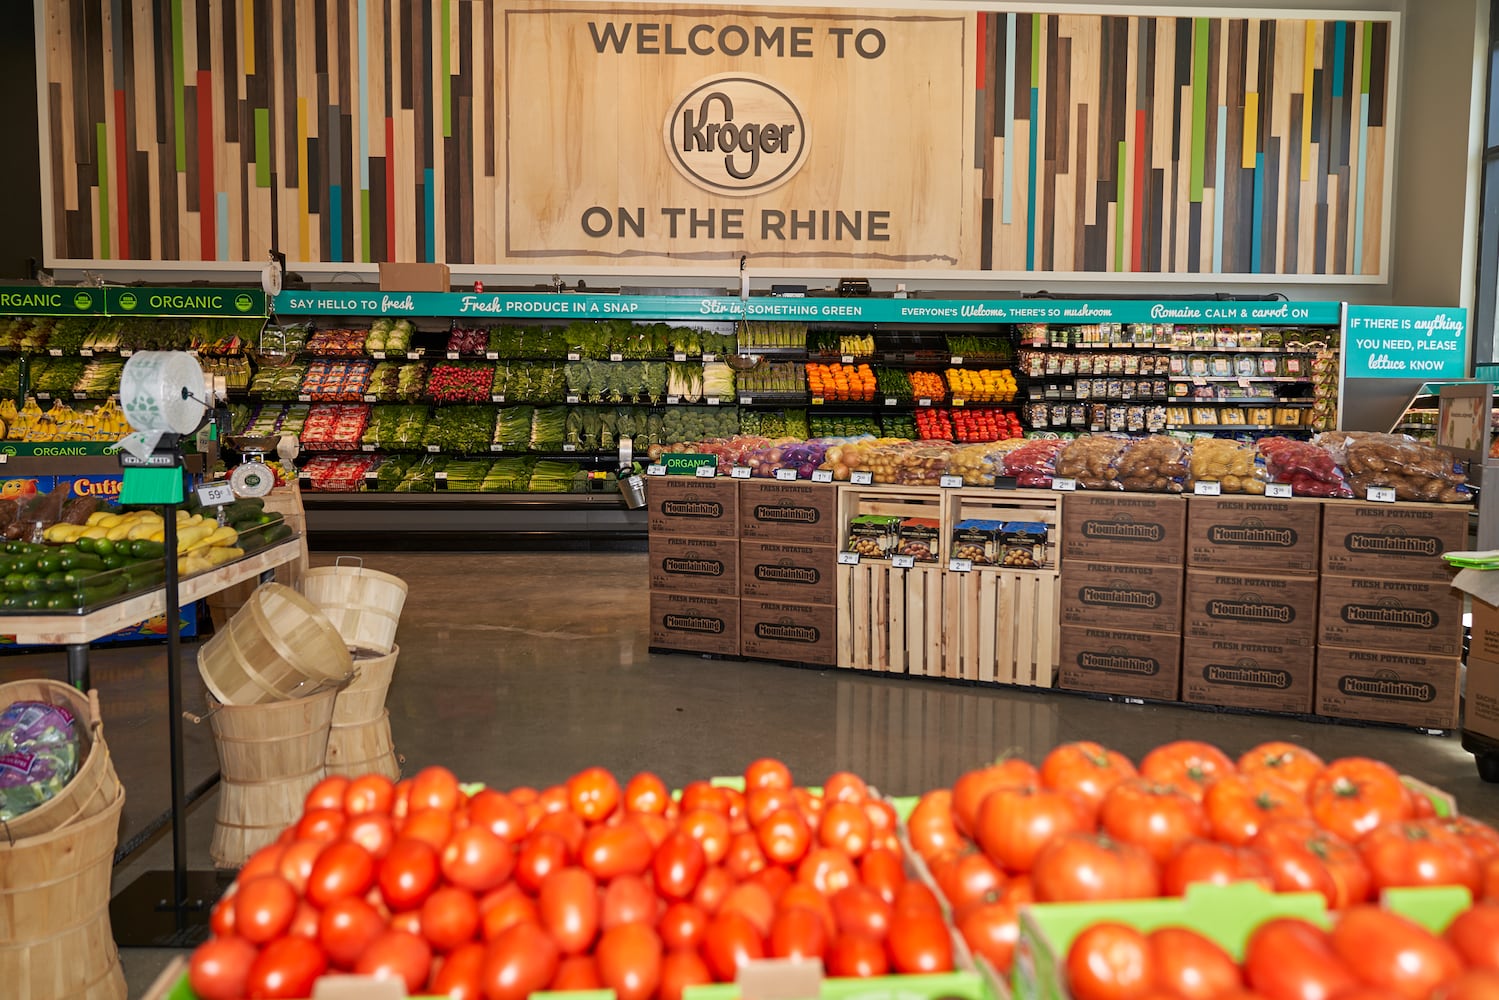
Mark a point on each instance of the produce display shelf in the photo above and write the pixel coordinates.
(394, 518)
(1286, 380)
(1242, 401)
(1239, 427)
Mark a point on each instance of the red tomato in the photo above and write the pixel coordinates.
(1241, 805)
(304, 921)
(287, 967)
(710, 829)
(433, 788)
(1190, 765)
(678, 865)
(767, 772)
(1159, 818)
(566, 824)
(220, 967)
(656, 827)
(711, 890)
(845, 787)
(860, 910)
(342, 869)
(680, 970)
(569, 905)
(745, 857)
(266, 861)
(1392, 952)
(1191, 966)
(321, 824)
(433, 827)
(1419, 853)
(1475, 984)
(450, 918)
(827, 870)
(646, 793)
(476, 860)
(521, 961)
(1305, 858)
(397, 955)
(264, 908)
(1014, 824)
(371, 831)
(930, 825)
(593, 794)
(798, 933)
(629, 961)
(297, 861)
(1475, 935)
(915, 899)
(702, 795)
(408, 874)
(327, 794)
(1482, 839)
(1354, 795)
(759, 803)
(1109, 961)
(409, 921)
(919, 943)
(1087, 770)
(754, 902)
(965, 877)
(498, 813)
(1210, 861)
(991, 928)
(369, 793)
(611, 851)
(1290, 959)
(458, 976)
(731, 941)
(882, 817)
(1080, 867)
(542, 854)
(784, 837)
(576, 972)
(858, 956)
(882, 870)
(682, 927)
(221, 920)
(1294, 765)
(628, 899)
(971, 789)
(346, 928)
(845, 826)
(774, 880)
(504, 908)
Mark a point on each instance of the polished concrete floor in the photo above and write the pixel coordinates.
(522, 668)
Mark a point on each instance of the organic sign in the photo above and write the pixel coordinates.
(686, 463)
(1406, 342)
(136, 301)
(44, 300)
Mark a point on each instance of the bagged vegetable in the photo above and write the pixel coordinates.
(38, 755)
(1234, 465)
(1090, 460)
(1307, 468)
(1415, 470)
(1034, 463)
(1154, 464)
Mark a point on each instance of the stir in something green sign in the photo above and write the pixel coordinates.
(1406, 342)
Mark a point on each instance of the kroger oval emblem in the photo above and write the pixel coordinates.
(736, 134)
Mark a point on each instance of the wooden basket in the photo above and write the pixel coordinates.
(365, 748)
(277, 647)
(363, 698)
(55, 938)
(93, 787)
(270, 757)
(363, 604)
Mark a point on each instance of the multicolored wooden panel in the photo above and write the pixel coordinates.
(357, 131)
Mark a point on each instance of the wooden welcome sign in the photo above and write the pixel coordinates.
(541, 136)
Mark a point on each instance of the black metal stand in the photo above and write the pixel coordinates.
(169, 909)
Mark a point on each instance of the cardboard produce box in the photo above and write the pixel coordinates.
(1140, 597)
(1120, 661)
(1270, 676)
(1111, 527)
(1483, 587)
(773, 630)
(1377, 686)
(695, 623)
(1481, 697)
(803, 512)
(1399, 541)
(1249, 608)
(1412, 616)
(782, 571)
(415, 278)
(690, 565)
(1236, 532)
(687, 505)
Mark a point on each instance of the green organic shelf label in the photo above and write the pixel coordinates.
(687, 464)
(41, 300)
(56, 449)
(230, 302)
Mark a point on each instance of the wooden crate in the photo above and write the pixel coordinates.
(891, 620)
(890, 501)
(1042, 506)
(1003, 626)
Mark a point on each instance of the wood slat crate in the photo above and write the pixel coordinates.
(890, 501)
(1041, 506)
(1003, 626)
(891, 620)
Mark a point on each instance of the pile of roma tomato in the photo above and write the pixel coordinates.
(1369, 954)
(1088, 825)
(584, 885)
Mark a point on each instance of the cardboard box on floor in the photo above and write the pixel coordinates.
(1481, 701)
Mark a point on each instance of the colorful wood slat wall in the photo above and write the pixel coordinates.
(369, 130)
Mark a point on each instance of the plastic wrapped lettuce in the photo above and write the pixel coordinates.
(38, 755)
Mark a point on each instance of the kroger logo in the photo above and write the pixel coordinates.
(736, 134)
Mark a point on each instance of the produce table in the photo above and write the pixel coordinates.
(76, 630)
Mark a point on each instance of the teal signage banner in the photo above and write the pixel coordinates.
(53, 300)
(501, 305)
(1406, 342)
(141, 301)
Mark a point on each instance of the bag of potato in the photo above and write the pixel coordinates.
(1234, 465)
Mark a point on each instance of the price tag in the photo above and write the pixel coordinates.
(746, 400)
(923, 401)
(442, 477)
(1243, 383)
(366, 447)
(1207, 489)
(1381, 494)
(712, 401)
(569, 447)
(673, 400)
(679, 356)
(304, 398)
(216, 495)
(370, 397)
(413, 355)
(960, 565)
(434, 448)
(710, 357)
(85, 352)
(891, 401)
(453, 355)
(55, 352)
(740, 472)
(496, 447)
(616, 356)
(572, 399)
(1280, 491)
(126, 352)
(1064, 485)
(655, 470)
(957, 359)
(705, 472)
(492, 355)
(574, 356)
(848, 559)
(822, 475)
(848, 359)
(786, 475)
(951, 482)
(498, 397)
(80, 395)
(818, 401)
(902, 562)
(378, 355)
(957, 402)
(861, 478)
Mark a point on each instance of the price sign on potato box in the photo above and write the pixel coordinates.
(786, 475)
(903, 562)
(1279, 491)
(822, 475)
(740, 472)
(861, 478)
(848, 559)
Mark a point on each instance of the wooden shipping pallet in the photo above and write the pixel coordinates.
(891, 620)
